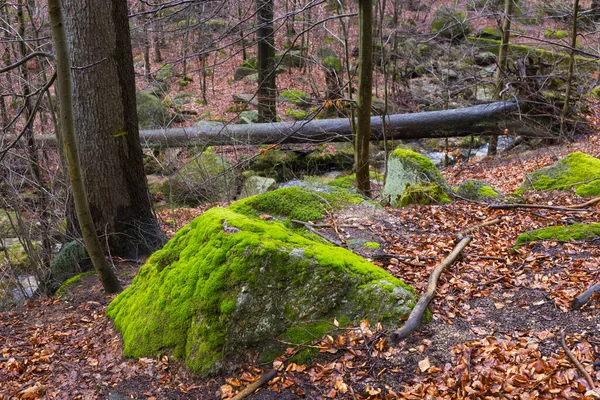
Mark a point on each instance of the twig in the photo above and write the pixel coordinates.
(586, 204)
(316, 232)
(255, 385)
(460, 235)
(502, 277)
(25, 59)
(576, 362)
(583, 298)
(556, 208)
(416, 314)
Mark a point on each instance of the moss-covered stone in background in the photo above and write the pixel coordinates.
(207, 177)
(248, 117)
(556, 34)
(577, 171)
(298, 115)
(450, 23)
(71, 260)
(561, 233)
(476, 190)
(152, 113)
(228, 283)
(406, 169)
(296, 97)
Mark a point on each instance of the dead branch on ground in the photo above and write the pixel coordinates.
(555, 208)
(255, 385)
(416, 314)
(577, 364)
(584, 297)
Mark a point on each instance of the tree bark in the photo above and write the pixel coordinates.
(565, 110)
(365, 94)
(502, 64)
(267, 89)
(107, 126)
(64, 89)
(477, 120)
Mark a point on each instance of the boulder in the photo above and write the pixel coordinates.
(248, 117)
(476, 190)
(254, 185)
(416, 175)
(71, 260)
(296, 97)
(152, 113)
(577, 171)
(245, 98)
(207, 177)
(228, 284)
(449, 23)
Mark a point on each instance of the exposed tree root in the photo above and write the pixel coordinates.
(460, 235)
(584, 297)
(573, 208)
(255, 385)
(417, 313)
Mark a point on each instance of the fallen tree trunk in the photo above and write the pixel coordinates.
(480, 119)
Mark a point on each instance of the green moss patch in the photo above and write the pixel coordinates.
(577, 171)
(227, 283)
(561, 233)
(66, 286)
(295, 203)
(296, 97)
(424, 194)
(476, 190)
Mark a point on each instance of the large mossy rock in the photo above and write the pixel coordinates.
(412, 178)
(152, 113)
(228, 283)
(561, 233)
(577, 171)
(207, 177)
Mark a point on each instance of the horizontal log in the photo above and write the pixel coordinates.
(480, 119)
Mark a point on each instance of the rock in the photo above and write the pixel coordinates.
(490, 33)
(228, 284)
(476, 190)
(298, 115)
(449, 74)
(323, 52)
(296, 97)
(449, 23)
(290, 59)
(407, 169)
(248, 117)
(333, 64)
(484, 93)
(485, 58)
(207, 177)
(152, 113)
(577, 171)
(561, 233)
(254, 185)
(244, 98)
(71, 260)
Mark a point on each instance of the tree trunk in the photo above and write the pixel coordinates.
(64, 89)
(565, 110)
(502, 64)
(365, 89)
(107, 126)
(267, 89)
(483, 119)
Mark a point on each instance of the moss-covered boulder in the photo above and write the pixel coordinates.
(577, 171)
(152, 113)
(248, 117)
(476, 190)
(290, 59)
(450, 23)
(205, 178)
(561, 233)
(408, 170)
(296, 97)
(228, 283)
(71, 260)
(254, 185)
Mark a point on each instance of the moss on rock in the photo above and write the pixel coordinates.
(577, 171)
(406, 169)
(66, 286)
(152, 113)
(476, 190)
(71, 260)
(561, 233)
(227, 283)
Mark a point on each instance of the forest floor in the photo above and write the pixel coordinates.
(495, 333)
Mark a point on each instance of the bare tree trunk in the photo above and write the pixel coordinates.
(565, 110)
(92, 243)
(502, 64)
(365, 89)
(146, 39)
(267, 90)
(107, 126)
(156, 32)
